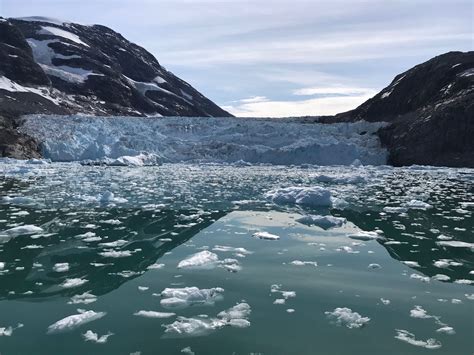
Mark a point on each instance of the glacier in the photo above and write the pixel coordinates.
(204, 140)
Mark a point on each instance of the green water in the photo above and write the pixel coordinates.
(173, 212)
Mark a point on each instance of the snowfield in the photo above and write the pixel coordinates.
(206, 140)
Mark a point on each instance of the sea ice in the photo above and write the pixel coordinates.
(177, 298)
(154, 314)
(324, 222)
(409, 338)
(95, 338)
(202, 260)
(346, 317)
(266, 236)
(309, 196)
(74, 321)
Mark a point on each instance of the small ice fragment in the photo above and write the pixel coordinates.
(75, 282)
(202, 260)
(153, 314)
(409, 338)
(74, 321)
(324, 222)
(84, 298)
(346, 317)
(61, 267)
(143, 288)
(411, 263)
(374, 266)
(303, 263)
(446, 330)
(177, 298)
(266, 236)
(94, 337)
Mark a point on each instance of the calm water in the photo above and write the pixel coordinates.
(123, 250)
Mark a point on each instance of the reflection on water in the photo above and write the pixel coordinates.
(148, 235)
(119, 234)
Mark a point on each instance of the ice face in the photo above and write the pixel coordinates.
(202, 139)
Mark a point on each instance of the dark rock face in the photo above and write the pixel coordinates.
(431, 111)
(89, 69)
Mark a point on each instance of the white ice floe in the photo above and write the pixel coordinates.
(202, 260)
(420, 278)
(266, 236)
(95, 338)
(366, 235)
(84, 298)
(114, 244)
(346, 317)
(385, 301)
(21, 230)
(75, 282)
(446, 330)
(411, 263)
(8, 331)
(116, 253)
(240, 252)
(455, 244)
(206, 139)
(325, 222)
(446, 263)
(441, 277)
(178, 298)
(419, 312)
(154, 314)
(314, 196)
(74, 321)
(236, 317)
(303, 263)
(155, 266)
(61, 267)
(407, 337)
(374, 266)
(417, 205)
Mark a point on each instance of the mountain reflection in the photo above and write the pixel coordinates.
(145, 234)
(413, 238)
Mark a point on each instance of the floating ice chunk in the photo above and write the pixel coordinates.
(290, 310)
(444, 237)
(310, 196)
(303, 263)
(324, 222)
(446, 330)
(365, 235)
(8, 331)
(74, 321)
(115, 244)
(75, 282)
(266, 236)
(22, 230)
(95, 338)
(419, 312)
(192, 327)
(17, 200)
(224, 248)
(411, 263)
(231, 265)
(240, 311)
(2, 265)
(464, 282)
(177, 298)
(441, 277)
(346, 317)
(202, 260)
(84, 298)
(347, 249)
(417, 205)
(279, 301)
(155, 266)
(409, 338)
(187, 350)
(455, 244)
(419, 277)
(61, 267)
(143, 288)
(116, 253)
(374, 266)
(385, 301)
(153, 314)
(390, 209)
(109, 198)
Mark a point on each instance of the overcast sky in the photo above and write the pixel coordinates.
(278, 57)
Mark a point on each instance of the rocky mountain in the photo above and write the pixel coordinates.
(58, 67)
(431, 113)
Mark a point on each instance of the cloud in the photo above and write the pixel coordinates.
(334, 100)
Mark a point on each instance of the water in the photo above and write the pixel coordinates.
(162, 215)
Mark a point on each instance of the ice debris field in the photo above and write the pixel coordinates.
(234, 258)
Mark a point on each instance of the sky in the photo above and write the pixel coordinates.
(276, 58)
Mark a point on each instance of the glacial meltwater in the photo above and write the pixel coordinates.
(235, 259)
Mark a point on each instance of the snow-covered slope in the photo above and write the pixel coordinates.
(204, 139)
(72, 68)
